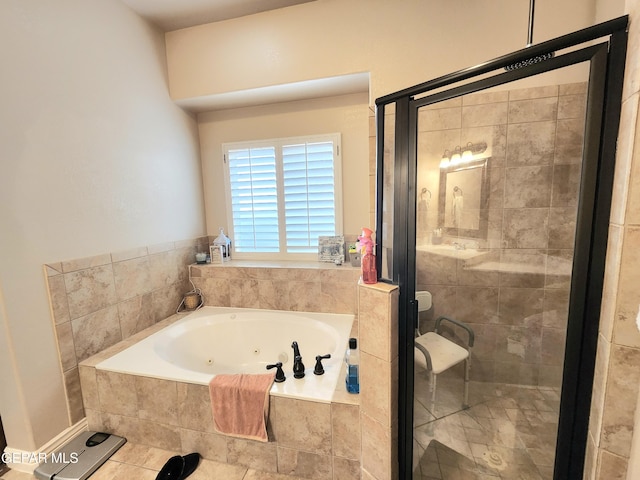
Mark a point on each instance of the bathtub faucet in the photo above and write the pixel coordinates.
(298, 366)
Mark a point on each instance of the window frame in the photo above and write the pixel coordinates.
(279, 143)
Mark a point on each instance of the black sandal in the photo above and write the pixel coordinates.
(179, 467)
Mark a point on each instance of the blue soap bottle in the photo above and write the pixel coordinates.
(352, 359)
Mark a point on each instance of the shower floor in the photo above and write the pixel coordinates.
(509, 431)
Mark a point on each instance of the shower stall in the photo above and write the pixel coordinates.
(493, 196)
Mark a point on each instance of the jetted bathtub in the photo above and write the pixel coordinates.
(220, 340)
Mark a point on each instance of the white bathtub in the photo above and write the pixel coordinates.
(216, 340)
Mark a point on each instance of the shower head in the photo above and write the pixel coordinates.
(536, 59)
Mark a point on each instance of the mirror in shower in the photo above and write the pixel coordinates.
(462, 206)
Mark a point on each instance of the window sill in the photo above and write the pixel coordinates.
(279, 264)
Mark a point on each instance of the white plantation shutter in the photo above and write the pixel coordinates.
(283, 194)
(254, 199)
(309, 194)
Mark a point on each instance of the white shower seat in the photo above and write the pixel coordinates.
(435, 353)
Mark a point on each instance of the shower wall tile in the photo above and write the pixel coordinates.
(552, 346)
(90, 290)
(485, 97)
(572, 106)
(477, 304)
(95, 332)
(569, 141)
(484, 115)
(521, 306)
(562, 227)
(556, 308)
(527, 187)
(439, 119)
(572, 88)
(626, 168)
(536, 110)
(612, 467)
(344, 469)
(530, 143)
(566, 184)
(525, 228)
(533, 92)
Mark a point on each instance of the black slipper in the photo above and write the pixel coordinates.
(179, 467)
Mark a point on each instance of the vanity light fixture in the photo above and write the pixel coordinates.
(460, 155)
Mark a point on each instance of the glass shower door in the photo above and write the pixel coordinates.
(498, 175)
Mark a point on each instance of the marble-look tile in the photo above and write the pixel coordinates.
(345, 469)
(244, 293)
(166, 300)
(625, 329)
(214, 290)
(303, 425)
(273, 294)
(533, 110)
(566, 184)
(439, 119)
(135, 314)
(572, 106)
(166, 268)
(86, 263)
(95, 332)
(521, 306)
(627, 141)
(345, 421)
(556, 308)
(476, 305)
(112, 470)
(89, 385)
(484, 114)
(58, 299)
(534, 92)
(611, 280)
(257, 455)
(142, 456)
(304, 296)
(558, 269)
(132, 278)
(338, 297)
(378, 454)
(611, 466)
(598, 391)
(129, 254)
(569, 141)
(552, 346)
(525, 228)
(125, 426)
(208, 470)
(66, 348)
(527, 187)
(376, 388)
(211, 446)
(518, 345)
(530, 144)
(158, 435)
(157, 400)
(117, 393)
(194, 407)
(304, 464)
(90, 290)
(375, 328)
(620, 400)
(562, 227)
(74, 395)
(485, 97)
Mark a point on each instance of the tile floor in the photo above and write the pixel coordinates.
(509, 431)
(140, 462)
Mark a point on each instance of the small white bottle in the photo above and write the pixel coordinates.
(352, 359)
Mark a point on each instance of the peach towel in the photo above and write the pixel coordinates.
(240, 404)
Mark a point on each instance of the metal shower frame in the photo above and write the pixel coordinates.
(604, 98)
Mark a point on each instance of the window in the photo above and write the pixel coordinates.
(282, 194)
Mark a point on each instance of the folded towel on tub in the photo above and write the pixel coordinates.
(240, 404)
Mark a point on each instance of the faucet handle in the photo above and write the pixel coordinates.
(318, 370)
(279, 372)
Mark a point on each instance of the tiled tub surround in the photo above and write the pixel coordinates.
(308, 439)
(96, 302)
(518, 314)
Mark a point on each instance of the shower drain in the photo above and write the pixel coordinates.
(494, 460)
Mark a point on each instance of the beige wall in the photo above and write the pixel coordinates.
(95, 158)
(346, 114)
(399, 43)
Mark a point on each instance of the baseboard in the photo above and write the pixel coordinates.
(27, 462)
